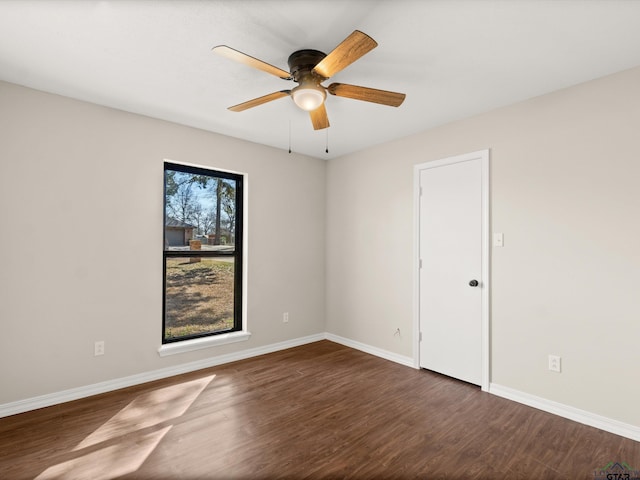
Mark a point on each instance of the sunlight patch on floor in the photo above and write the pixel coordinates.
(109, 462)
(118, 447)
(148, 410)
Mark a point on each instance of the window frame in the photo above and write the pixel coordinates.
(237, 254)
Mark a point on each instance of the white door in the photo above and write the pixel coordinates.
(452, 283)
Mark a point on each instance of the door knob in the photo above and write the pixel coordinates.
(473, 283)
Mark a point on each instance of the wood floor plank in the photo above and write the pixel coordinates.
(320, 411)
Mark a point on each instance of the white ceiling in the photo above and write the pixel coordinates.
(453, 58)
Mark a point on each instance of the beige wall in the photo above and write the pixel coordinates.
(565, 192)
(564, 168)
(81, 191)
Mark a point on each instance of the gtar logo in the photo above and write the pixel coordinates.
(616, 471)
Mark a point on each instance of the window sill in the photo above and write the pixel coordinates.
(200, 343)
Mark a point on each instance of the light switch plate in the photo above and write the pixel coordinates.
(498, 240)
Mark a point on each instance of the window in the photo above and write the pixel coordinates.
(202, 253)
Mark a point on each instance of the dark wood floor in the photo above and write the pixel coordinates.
(317, 411)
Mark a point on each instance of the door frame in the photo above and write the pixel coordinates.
(483, 156)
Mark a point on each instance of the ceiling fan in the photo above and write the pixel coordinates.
(309, 68)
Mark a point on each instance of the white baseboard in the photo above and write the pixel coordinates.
(572, 413)
(55, 398)
(47, 400)
(378, 352)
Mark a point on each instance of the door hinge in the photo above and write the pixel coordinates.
(420, 337)
(420, 191)
(420, 263)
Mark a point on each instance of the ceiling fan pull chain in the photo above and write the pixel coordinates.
(327, 148)
(289, 135)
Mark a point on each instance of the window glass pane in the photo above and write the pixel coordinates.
(199, 295)
(202, 252)
(200, 212)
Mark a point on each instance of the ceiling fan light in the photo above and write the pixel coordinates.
(308, 97)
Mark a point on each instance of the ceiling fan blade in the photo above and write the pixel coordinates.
(319, 118)
(260, 100)
(383, 97)
(237, 56)
(351, 49)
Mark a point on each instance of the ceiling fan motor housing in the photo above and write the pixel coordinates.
(302, 62)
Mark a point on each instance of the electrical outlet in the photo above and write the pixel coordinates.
(285, 317)
(98, 348)
(555, 363)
